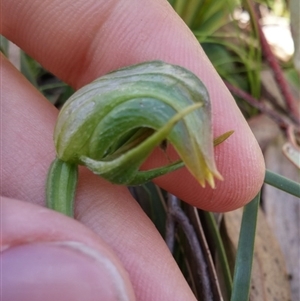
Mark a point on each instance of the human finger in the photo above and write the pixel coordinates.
(85, 39)
(41, 259)
(108, 210)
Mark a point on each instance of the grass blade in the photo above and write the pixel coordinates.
(282, 183)
(244, 256)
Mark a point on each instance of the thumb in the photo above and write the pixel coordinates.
(43, 264)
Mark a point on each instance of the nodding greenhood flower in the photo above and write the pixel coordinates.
(113, 124)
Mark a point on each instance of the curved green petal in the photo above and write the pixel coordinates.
(113, 124)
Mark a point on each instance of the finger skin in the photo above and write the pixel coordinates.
(81, 40)
(162, 282)
(106, 209)
(52, 230)
(59, 271)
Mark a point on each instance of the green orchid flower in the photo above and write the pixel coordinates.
(114, 123)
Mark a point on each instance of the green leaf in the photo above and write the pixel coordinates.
(282, 183)
(3, 45)
(245, 251)
(150, 198)
(29, 68)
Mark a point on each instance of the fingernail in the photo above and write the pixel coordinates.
(60, 271)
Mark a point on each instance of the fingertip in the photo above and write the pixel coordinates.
(60, 271)
(158, 33)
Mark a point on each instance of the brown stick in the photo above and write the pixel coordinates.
(255, 103)
(182, 220)
(290, 101)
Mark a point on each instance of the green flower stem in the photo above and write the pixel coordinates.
(282, 183)
(61, 187)
(245, 251)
